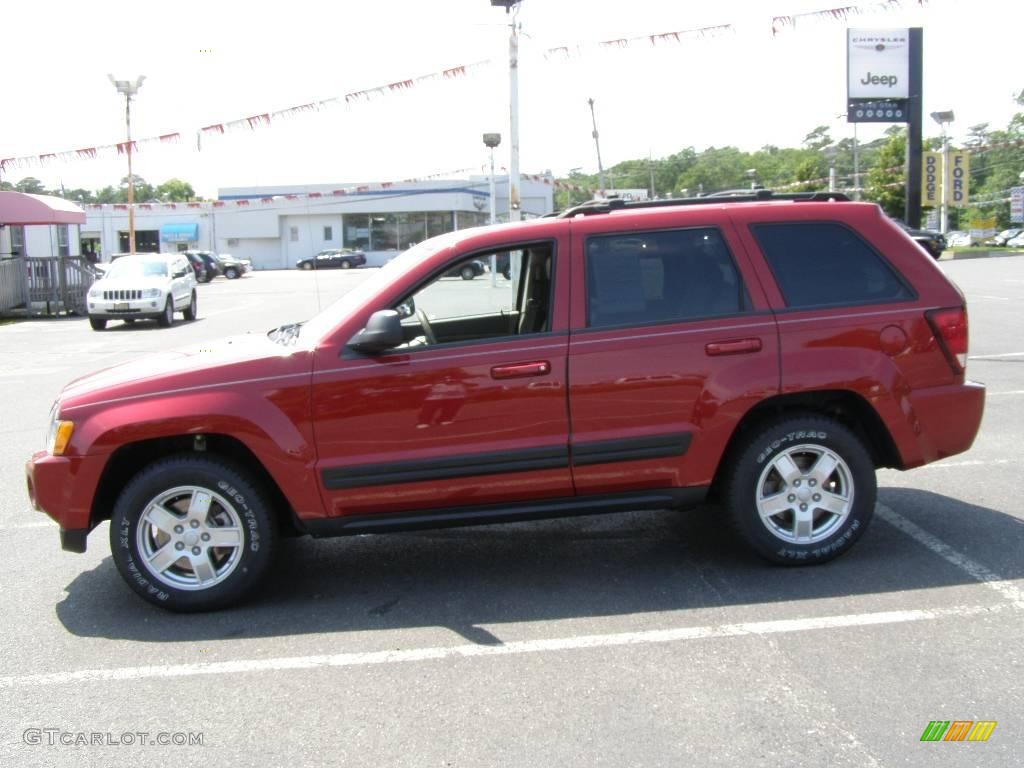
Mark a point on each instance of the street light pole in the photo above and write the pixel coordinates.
(491, 140)
(944, 119)
(129, 88)
(597, 145)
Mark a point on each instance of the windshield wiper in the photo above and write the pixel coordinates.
(286, 334)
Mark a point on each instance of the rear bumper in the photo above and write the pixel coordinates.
(63, 487)
(944, 421)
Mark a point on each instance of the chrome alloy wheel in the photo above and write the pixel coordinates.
(190, 538)
(805, 494)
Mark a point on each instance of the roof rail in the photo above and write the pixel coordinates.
(614, 204)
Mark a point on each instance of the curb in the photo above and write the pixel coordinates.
(980, 255)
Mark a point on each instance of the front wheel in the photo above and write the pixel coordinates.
(166, 320)
(192, 533)
(467, 272)
(231, 273)
(97, 323)
(801, 490)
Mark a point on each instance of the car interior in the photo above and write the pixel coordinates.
(448, 309)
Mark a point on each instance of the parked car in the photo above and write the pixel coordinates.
(213, 268)
(1003, 238)
(231, 267)
(143, 286)
(203, 274)
(958, 239)
(766, 353)
(467, 270)
(334, 258)
(933, 242)
(1016, 242)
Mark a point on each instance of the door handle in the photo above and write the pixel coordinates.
(519, 370)
(733, 347)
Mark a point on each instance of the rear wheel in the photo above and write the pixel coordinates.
(801, 490)
(166, 320)
(192, 308)
(192, 533)
(231, 273)
(346, 264)
(97, 323)
(467, 272)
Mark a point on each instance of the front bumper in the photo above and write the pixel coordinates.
(114, 310)
(63, 487)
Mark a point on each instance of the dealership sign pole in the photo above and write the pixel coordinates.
(883, 85)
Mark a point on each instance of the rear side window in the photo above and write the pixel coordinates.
(820, 264)
(643, 278)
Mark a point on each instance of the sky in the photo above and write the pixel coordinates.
(213, 62)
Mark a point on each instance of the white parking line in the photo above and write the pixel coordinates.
(993, 357)
(976, 571)
(506, 649)
(26, 526)
(1006, 393)
(969, 463)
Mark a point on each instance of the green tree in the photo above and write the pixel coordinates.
(175, 191)
(887, 178)
(143, 190)
(30, 185)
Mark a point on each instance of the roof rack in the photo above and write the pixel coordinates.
(614, 204)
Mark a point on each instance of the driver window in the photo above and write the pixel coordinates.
(487, 295)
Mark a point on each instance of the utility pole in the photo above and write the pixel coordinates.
(597, 145)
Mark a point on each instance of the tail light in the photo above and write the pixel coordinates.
(950, 328)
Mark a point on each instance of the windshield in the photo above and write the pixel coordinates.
(128, 268)
(322, 323)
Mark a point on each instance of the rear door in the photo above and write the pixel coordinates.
(672, 341)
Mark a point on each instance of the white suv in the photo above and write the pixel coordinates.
(145, 285)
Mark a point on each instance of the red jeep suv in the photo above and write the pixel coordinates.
(768, 352)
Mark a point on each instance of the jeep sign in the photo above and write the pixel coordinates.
(878, 63)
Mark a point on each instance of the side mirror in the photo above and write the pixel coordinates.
(179, 273)
(383, 331)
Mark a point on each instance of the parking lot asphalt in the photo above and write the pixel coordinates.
(639, 639)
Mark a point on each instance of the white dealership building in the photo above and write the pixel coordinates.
(274, 227)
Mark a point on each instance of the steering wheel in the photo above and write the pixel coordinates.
(428, 332)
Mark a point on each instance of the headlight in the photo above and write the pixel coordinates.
(59, 434)
(151, 293)
(95, 293)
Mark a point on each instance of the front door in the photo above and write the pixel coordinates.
(470, 410)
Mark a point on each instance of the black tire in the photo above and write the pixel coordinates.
(345, 264)
(237, 508)
(231, 273)
(467, 272)
(307, 266)
(754, 480)
(166, 320)
(192, 310)
(206, 278)
(128, 321)
(97, 323)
